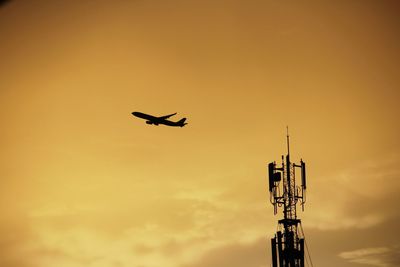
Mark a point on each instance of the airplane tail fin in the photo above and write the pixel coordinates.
(182, 122)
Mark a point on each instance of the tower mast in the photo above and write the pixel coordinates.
(287, 245)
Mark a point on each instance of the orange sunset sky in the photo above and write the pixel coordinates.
(83, 183)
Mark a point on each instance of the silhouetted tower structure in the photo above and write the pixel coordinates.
(288, 245)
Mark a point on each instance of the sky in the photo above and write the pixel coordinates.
(84, 183)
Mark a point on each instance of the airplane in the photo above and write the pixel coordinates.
(160, 120)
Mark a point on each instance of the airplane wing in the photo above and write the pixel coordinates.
(167, 116)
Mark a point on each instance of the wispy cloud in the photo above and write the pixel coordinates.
(83, 236)
(355, 195)
(376, 256)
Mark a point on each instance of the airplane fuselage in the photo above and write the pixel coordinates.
(159, 120)
(150, 119)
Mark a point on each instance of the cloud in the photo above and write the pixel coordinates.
(376, 256)
(13, 242)
(355, 195)
(212, 225)
(236, 255)
(188, 228)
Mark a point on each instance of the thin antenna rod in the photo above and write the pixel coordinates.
(287, 139)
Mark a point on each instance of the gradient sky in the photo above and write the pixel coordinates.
(85, 184)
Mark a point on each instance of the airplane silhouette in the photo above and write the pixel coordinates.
(160, 120)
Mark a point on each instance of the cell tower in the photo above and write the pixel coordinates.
(288, 245)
